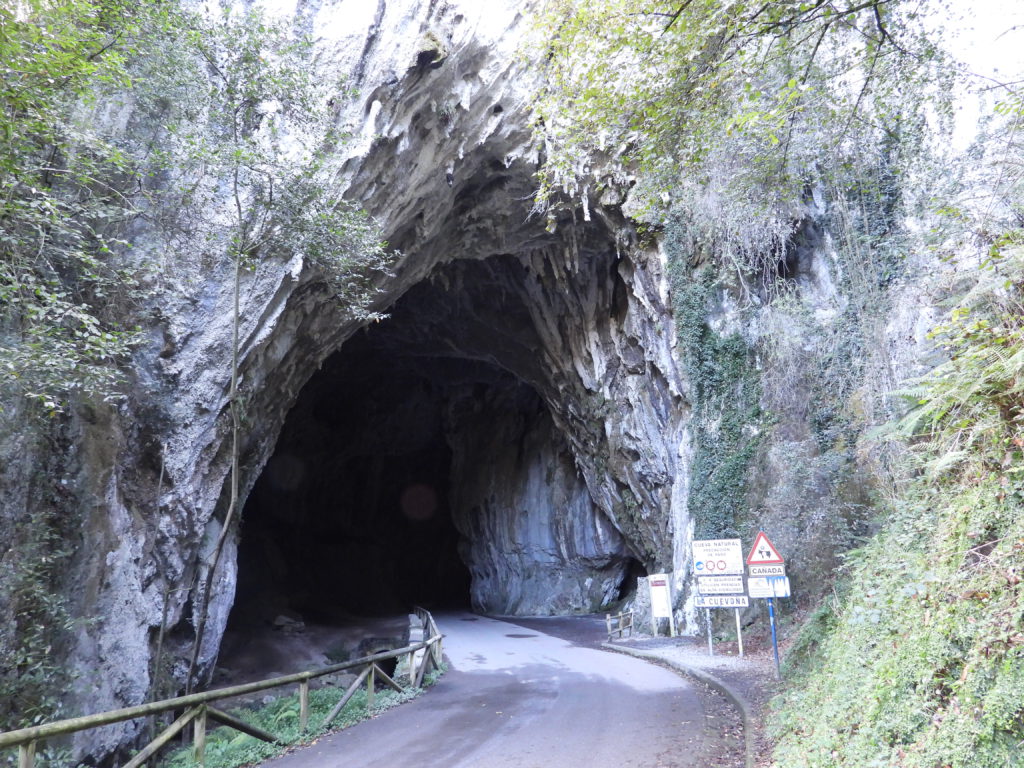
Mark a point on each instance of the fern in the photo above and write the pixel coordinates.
(973, 399)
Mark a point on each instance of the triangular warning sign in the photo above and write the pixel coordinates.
(763, 552)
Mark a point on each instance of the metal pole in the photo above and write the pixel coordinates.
(739, 632)
(711, 647)
(775, 641)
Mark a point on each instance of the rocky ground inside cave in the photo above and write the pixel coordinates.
(286, 645)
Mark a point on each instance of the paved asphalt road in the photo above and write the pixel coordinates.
(518, 698)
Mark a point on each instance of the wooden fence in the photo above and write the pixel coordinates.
(435, 650)
(619, 623)
(197, 709)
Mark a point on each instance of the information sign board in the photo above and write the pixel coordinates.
(720, 585)
(768, 586)
(722, 601)
(716, 557)
(661, 597)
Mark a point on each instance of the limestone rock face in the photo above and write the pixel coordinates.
(533, 539)
(577, 484)
(530, 367)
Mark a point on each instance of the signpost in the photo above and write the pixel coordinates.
(661, 602)
(718, 565)
(768, 580)
(764, 552)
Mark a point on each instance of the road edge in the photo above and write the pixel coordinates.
(738, 701)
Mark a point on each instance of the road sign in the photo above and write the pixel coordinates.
(661, 598)
(720, 585)
(715, 557)
(768, 586)
(764, 552)
(722, 601)
(767, 570)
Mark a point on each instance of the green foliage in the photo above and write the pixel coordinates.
(972, 402)
(64, 195)
(724, 393)
(32, 595)
(818, 627)
(247, 142)
(31, 679)
(727, 112)
(241, 102)
(701, 72)
(254, 117)
(927, 644)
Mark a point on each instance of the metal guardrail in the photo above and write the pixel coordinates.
(198, 710)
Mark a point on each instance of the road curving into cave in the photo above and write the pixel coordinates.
(517, 697)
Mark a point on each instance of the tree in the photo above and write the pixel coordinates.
(728, 109)
(65, 193)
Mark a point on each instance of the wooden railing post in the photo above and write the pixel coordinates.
(199, 735)
(303, 706)
(370, 681)
(422, 671)
(27, 755)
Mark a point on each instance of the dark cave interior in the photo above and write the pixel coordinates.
(351, 514)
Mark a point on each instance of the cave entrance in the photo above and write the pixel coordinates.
(424, 463)
(354, 513)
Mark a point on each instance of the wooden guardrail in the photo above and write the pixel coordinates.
(431, 630)
(198, 710)
(619, 623)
